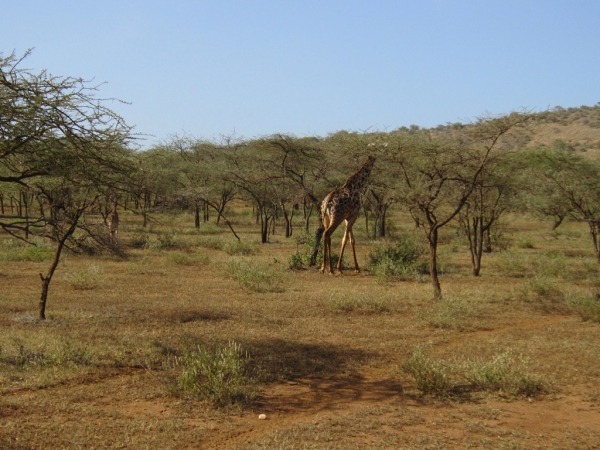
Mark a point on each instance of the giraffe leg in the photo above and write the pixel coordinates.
(327, 251)
(356, 269)
(322, 269)
(329, 262)
(344, 240)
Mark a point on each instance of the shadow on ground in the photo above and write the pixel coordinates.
(280, 360)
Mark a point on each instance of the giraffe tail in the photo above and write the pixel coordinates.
(318, 236)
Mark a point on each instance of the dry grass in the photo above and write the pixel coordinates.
(324, 353)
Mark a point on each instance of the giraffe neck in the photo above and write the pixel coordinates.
(357, 181)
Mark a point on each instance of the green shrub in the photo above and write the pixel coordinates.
(506, 374)
(545, 288)
(432, 376)
(164, 241)
(85, 279)
(402, 259)
(525, 242)
(140, 239)
(12, 250)
(39, 252)
(209, 228)
(587, 306)
(215, 243)
(63, 353)
(551, 264)
(240, 248)
(512, 263)
(255, 277)
(216, 374)
(296, 261)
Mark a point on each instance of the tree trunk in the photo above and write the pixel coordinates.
(557, 222)
(307, 212)
(206, 212)
(433, 241)
(475, 235)
(25, 200)
(46, 279)
(287, 217)
(315, 250)
(382, 212)
(594, 235)
(197, 214)
(478, 248)
(264, 232)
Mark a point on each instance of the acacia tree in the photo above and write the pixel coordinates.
(300, 164)
(202, 170)
(47, 122)
(275, 173)
(494, 193)
(439, 170)
(55, 132)
(575, 179)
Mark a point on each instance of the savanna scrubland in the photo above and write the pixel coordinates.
(474, 321)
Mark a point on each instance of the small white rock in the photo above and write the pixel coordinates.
(262, 416)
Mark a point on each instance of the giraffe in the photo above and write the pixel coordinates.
(341, 204)
(113, 225)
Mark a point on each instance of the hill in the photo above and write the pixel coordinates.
(577, 129)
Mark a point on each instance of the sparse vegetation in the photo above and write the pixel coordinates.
(85, 278)
(12, 250)
(124, 315)
(240, 248)
(587, 306)
(505, 373)
(255, 276)
(453, 314)
(362, 303)
(188, 259)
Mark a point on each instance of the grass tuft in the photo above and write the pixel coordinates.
(255, 276)
(240, 248)
(403, 259)
(451, 314)
(505, 374)
(13, 250)
(363, 303)
(187, 259)
(216, 374)
(85, 279)
(587, 306)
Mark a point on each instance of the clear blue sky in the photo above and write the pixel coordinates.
(306, 67)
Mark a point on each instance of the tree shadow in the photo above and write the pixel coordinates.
(192, 315)
(315, 377)
(281, 360)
